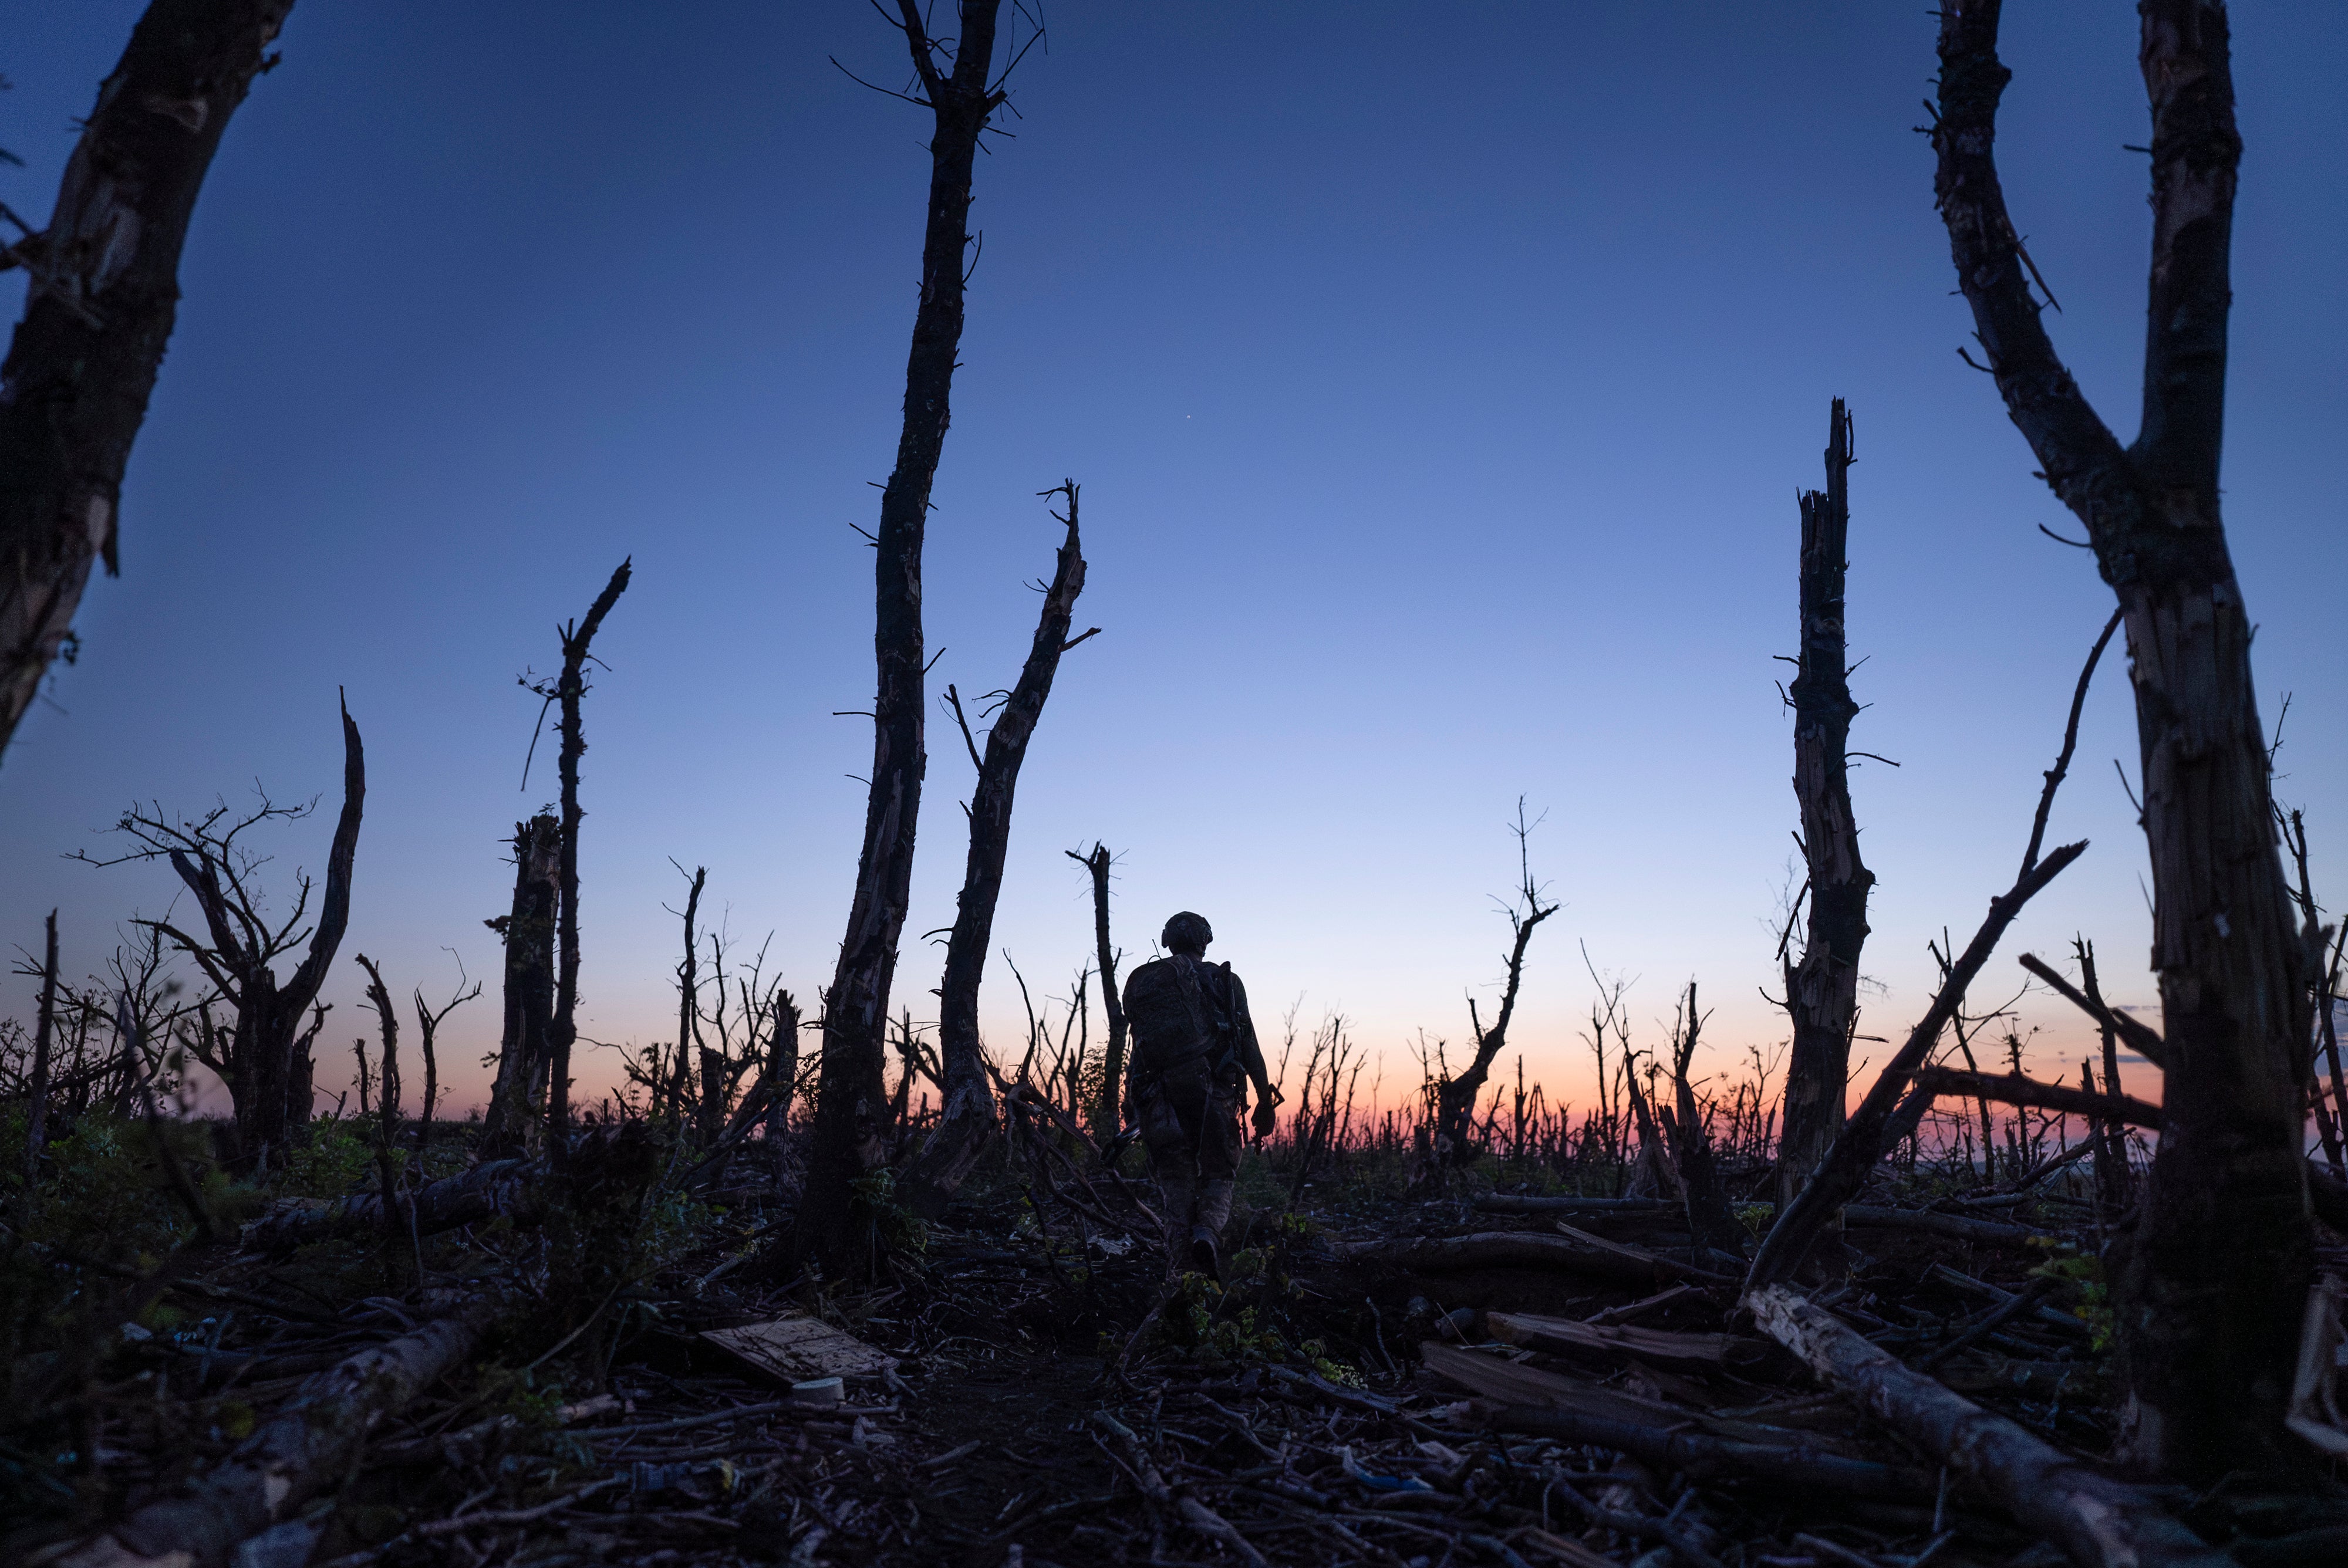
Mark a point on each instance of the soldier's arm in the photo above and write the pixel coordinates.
(1250, 1052)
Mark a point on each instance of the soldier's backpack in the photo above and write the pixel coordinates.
(1175, 1020)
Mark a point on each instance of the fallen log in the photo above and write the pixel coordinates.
(2097, 1521)
(1857, 1216)
(1574, 1253)
(501, 1187)
(306, 1448)
(1653, 1343)
(1986, 1233)
(2013, 1089)
(1705, 1458)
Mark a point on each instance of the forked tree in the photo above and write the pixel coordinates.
(1822, 985)
(851, 1118)
(105, 291)
(2216, 1274)
(262, 1051)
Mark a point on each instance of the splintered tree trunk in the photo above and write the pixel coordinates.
(968, 1114)
(2214, 1280)
(570, 688)
(852, 1097)
(528, 933)
(271, 1084)
(1106, 1115)
(105, 293)
(1822, 989)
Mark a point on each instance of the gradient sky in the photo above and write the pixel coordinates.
(1439, 379)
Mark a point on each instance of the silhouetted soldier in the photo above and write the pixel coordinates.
(1194, 1050)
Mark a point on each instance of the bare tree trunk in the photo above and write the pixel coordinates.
(2217, 1271)
(1822, 989)
(563, 1032)
(103, 295)
(1106, 1116)
(37, 1113)
(528, 933)
(852, 1096)
(688, 1006)
(967, 1114)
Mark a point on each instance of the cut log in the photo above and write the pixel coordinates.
(1574, 1253)
(2098, 1522)
(500, 1188)
(306, 1448)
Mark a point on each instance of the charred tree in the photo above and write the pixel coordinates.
(264, 1056)
(852, 1097)
(1455, 1098)
(529, 934)
(1710, 1219)
(1104, 1114)
(968, 1111)
(104, 294)
(1822, 988)
(569, 689)
(2218, 1270)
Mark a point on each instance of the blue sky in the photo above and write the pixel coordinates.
(1439, 377)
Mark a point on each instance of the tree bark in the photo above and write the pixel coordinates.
(528, 933)
(2213, 1281)
(570, 688)
(104, 296)
(852, 1097)
(1822, 988)
(967, 1114)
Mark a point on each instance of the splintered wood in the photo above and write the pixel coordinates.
(796, 1349)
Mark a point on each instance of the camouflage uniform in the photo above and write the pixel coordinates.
(1194, 1052)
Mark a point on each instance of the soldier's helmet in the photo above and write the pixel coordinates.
(1186, 933)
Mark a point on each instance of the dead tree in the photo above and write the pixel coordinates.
(568, 688)
(1455, 1098)
(967, 1114)
(2217, 1273)
(852, 1097)
(688, 1008)
(1710, 1219)
(264, 1054)
(1105, 1113)
(1872, 1130)
(1822, 988)
(527, 931)
(104, 294)
(36, 1083)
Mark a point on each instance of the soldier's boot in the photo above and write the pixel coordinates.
(1207, 1231)
(1180, 1196)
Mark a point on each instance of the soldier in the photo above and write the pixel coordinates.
(1193, 1042)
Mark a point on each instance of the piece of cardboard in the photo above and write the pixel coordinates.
(797, 1349)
